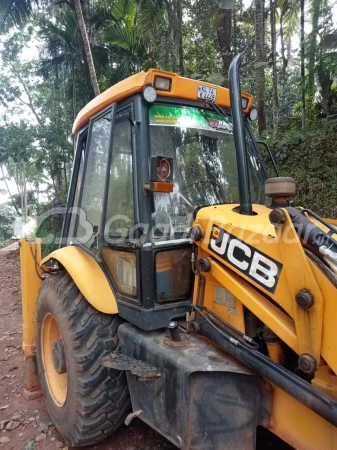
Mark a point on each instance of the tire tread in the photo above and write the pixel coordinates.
(102, 395)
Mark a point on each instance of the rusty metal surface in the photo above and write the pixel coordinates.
(32, 387)
(122, 362)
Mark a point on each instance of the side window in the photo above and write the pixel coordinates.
(120, 206)
(77, 192)
(91, 203)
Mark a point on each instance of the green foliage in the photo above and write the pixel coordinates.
(7, 217)
(42, 91)
(30, 445)
(49, 230)
(310, 157)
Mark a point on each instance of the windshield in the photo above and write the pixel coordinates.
(201, 144)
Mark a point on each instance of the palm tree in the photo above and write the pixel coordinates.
(14, 12)
(288, 16)
(87, 48)
(260, 63)
(274, 65)
(316, 7)
(138, 35)
(224, 25)
(302, 62)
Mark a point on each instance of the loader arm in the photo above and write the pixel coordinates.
(250, 266)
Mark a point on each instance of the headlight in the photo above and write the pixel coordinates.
(253, 113)
(245, 102)
(149, 93)
(162, 83)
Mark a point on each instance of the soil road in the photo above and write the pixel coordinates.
(28, 424)
(25, 425)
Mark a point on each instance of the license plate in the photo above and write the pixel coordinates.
(206, 93)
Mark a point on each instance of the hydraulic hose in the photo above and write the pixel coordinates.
(298, 388)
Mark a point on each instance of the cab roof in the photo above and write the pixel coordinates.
(183, 88)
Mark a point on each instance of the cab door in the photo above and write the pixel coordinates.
(84, 225)
(120, 257)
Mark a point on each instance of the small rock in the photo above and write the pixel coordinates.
(52, 439)
(5, 406)
(59, 444)
(4, 440)
(31, 419)
(17, 395)
(36, 411)
(20, 434)
(41, 437)
(12, 424)
(3, 424)
(42, 428)
(37, 417)
(16, 417)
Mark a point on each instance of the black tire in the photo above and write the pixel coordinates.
(97, 399)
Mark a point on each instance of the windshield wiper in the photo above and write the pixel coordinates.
(219, 110)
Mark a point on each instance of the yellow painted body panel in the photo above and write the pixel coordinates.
(30, 257)
(305, 331)
(181, 87)
(88, 277)
(310, 330)
(300, 426)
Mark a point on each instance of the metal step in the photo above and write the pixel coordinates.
(137, 367)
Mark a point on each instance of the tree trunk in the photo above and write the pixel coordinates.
(22, 197)
(86, 44)
(273, 48)
(239, 8)
(312, 47)
(224, 19)
(302, 63)
(25, 197)
(260, 63)
(284, 63)
(326, 82)
(180, 37)
(8, 191)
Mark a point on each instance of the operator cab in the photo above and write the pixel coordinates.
(150, 151)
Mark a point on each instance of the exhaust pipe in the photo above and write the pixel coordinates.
(239, 136)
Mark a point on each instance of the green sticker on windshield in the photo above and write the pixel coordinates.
(182, 117)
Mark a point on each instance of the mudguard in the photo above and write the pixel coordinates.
(88, 277)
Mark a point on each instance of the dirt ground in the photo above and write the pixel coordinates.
(25, 425)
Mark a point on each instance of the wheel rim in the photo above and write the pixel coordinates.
(57, 383)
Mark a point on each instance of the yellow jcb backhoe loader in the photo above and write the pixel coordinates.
(208, 334)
